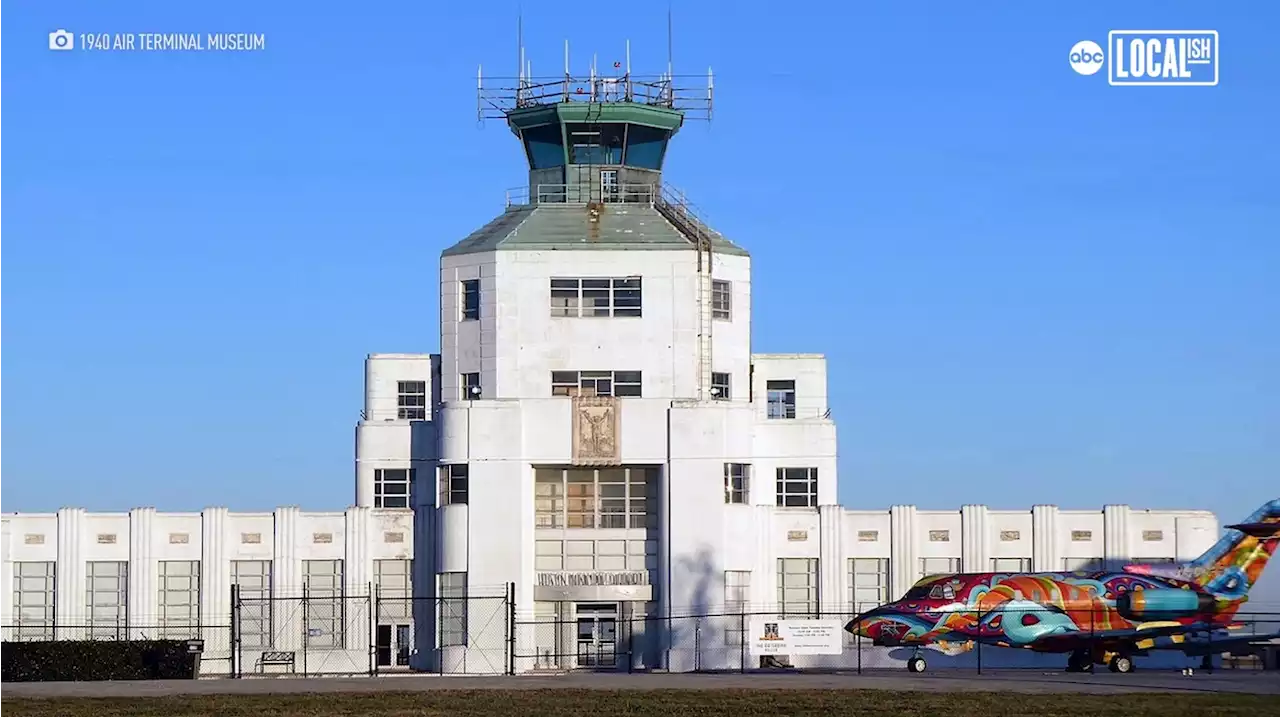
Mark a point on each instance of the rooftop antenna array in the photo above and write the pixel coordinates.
(676, 92)
(666, 90)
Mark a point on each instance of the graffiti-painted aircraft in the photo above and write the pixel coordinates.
(1099, 617)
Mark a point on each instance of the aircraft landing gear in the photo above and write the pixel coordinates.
(1080, 661)
(1121, 663)
(916, 664)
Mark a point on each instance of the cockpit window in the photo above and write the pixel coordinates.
(918, 592)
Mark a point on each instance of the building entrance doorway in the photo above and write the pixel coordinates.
(597, 635)
(393, 645)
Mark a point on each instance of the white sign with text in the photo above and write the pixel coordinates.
(771, 636)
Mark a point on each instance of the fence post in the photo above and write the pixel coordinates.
(857, 639)
(698, 647)
(306, 632)
(374, 591)
(511, 628)
(742, 640)
(234, 630)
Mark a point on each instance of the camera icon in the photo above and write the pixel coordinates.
(61, 40)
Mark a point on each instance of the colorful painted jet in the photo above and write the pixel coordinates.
(1098, 617)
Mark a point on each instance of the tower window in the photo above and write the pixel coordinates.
(469, 386)
(454, 488)
(721, 300)
(411, 400)
(645, 146)
(720, 387)
(781, 399)
(797, 488)
(471, 300)
(596, 143)
(620, 296)
(544, 146)
(596, 383)
(737, 477)
(391, 487)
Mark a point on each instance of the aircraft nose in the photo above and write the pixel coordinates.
(858, 625)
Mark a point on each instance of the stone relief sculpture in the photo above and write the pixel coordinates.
(596, 435)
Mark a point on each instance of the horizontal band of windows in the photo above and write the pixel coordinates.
(596, 383)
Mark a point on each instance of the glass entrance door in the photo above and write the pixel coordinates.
(597, 635)
(393, 642)
(404, 643)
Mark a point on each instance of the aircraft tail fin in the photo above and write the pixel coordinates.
(1231, 567)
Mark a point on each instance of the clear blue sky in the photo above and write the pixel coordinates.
(1031, 287)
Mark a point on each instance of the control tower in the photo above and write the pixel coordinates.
(597, 138)
(595, 148)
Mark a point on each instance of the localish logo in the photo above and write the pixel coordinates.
(1086, 57)
(1163, 58)
(1151, 58)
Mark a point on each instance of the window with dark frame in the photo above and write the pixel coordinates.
(454, 487)
(737, 478)
(391, 487)
(624, 384)
(469, 386)
(780, 397)
(721, 299)
(797, 488)
(471, 300)
(411, 400)
(720, 387)
(620, 296)
(613, 498)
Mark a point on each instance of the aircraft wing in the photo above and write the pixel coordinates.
(1198, 637)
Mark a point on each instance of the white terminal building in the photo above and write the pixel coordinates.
(592, 472)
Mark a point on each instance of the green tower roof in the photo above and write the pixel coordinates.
(609, 226)
(595, 148)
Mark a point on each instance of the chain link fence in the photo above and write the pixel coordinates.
(480, 634)
(567, 638)
(323, 634)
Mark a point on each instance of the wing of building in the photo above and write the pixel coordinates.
(595, 470)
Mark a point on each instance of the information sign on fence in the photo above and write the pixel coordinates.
(772, 636)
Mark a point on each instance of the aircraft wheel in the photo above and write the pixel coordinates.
(1122, 664)
(916, 664)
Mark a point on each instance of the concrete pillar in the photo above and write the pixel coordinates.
(833, 590)
(975, 551)
(143, 614)
(1115, 534)
(286, 581)
(1045, 555)
(69, 580)
(903, 563)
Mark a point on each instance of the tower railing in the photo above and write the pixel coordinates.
(673, 203)
(582, 195)
(674, 92)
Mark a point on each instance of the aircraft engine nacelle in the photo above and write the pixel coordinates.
(1162, 603)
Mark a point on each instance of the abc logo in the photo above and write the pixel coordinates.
(1086, 57)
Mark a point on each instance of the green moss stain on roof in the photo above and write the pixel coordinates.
(549, 227)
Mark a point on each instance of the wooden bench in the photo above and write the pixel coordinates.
(276, 657)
